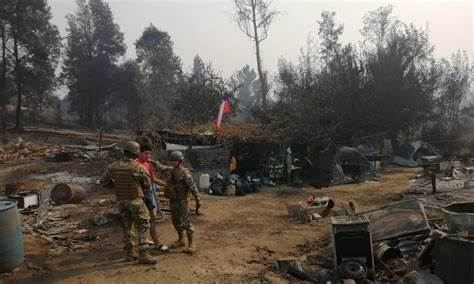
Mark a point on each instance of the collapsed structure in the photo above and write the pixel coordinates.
(415, 153)
(211, 151)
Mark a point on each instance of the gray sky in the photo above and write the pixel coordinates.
(206, 27)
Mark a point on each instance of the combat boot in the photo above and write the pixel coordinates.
(179, 243)
(191, 246)
(144, 257)
(131, 254)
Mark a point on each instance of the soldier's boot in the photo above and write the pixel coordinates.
(180, 242)
(144, 257)
(191, 245)
(131, 254)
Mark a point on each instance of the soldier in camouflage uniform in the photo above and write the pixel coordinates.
(129, 180)
(177, 190)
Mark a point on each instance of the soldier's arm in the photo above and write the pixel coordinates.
(191, 185)
(142, 177)
(158, 181)
(106, 178)
(160, 167)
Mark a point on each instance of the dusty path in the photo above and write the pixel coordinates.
(239, 239)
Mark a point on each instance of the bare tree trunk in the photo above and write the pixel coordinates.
(263, 87)
(263, 83)
(89, 115)
(3, 98)
(104, 123)
(18, 125)
(59, 113)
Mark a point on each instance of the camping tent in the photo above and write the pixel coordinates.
(335, 164)
(413, 153)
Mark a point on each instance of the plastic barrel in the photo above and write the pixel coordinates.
(204, 182)
(11, 242)
(64, 193)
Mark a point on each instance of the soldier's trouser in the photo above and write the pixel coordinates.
(134, 212)
(180, 216)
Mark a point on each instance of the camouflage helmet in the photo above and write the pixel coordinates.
(177, 156)
(132, 147)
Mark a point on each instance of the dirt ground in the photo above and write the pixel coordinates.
(239, 239)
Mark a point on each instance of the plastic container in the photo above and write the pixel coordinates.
(204, 182)
(11, 242)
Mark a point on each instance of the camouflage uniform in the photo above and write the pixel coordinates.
(179, 186)
(161, 168)
(129, 179)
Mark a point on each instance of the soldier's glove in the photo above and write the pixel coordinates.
(198, 205)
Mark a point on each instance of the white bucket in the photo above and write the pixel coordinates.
(204, 181)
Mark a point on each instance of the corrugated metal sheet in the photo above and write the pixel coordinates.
(397, 220)
(454, 260)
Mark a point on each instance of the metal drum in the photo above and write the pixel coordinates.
(11, 242)
(64, 193)
(459, 216)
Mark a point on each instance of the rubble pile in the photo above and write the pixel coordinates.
(69, 227)
(72, 227)
(412, 238)
(23, 150)
(205, 134)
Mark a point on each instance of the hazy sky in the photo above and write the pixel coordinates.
(207, 28)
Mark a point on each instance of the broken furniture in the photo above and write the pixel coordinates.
(352, 245)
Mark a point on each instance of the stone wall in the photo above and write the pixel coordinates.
(208, 160)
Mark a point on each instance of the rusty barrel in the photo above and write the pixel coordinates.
(64, 193)
(11, 242)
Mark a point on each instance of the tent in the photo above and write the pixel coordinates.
(414, 153)
(334, 165)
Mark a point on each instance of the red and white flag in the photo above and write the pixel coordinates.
(223, 109)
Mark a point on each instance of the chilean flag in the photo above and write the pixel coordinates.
(223, 109)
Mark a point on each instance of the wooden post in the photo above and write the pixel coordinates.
(100, 139)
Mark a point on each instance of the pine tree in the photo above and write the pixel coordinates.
(94, 44)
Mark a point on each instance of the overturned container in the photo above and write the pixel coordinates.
(64, 193)
(11, 242)
(459, 216)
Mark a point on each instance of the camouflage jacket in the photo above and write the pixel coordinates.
(128, 178)
(180, 184)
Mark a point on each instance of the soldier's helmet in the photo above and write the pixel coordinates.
(177, 156)
(132, 147)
